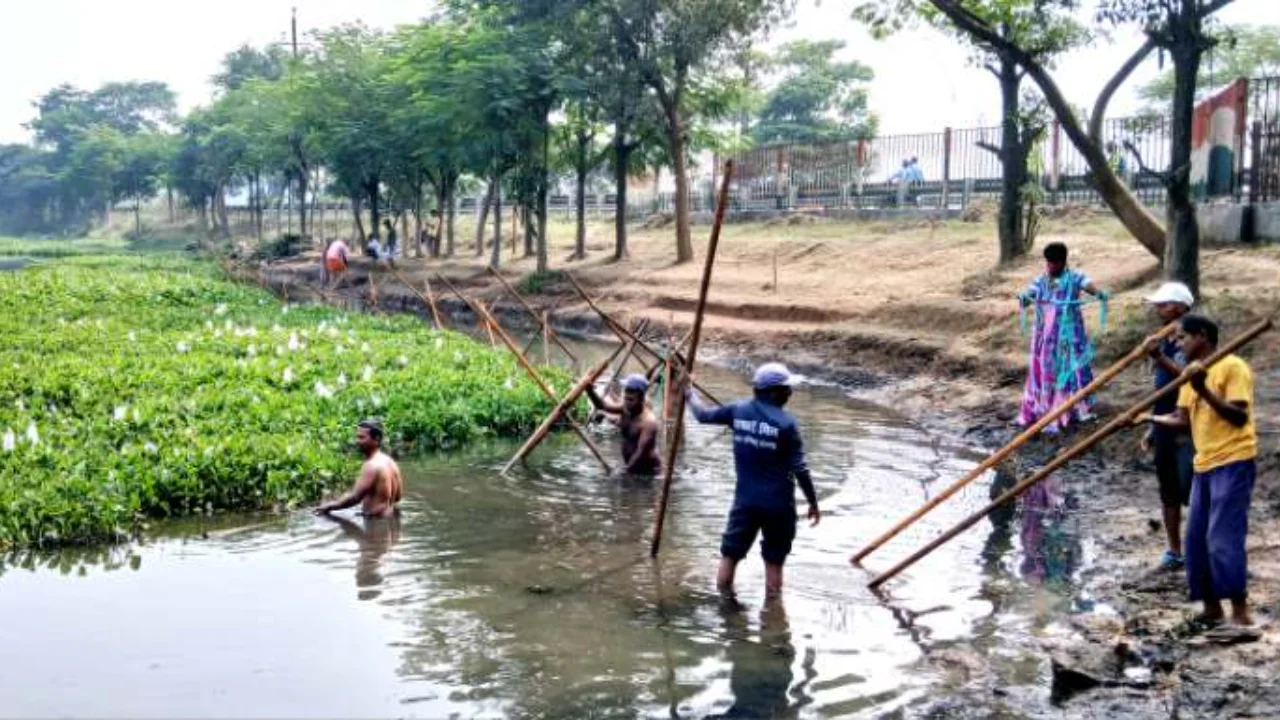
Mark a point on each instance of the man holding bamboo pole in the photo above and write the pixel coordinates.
(1217, 406)
(637, 425)
(767, 454)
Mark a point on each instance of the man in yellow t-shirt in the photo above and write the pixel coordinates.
(1217, 406)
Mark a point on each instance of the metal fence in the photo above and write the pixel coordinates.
(1263, 143)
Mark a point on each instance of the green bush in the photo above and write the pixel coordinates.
(150, 387)
(537, 283)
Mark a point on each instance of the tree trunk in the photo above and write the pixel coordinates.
(417, 221)
(220, 202)
(495, 256)
(137, 216)
(1014, 165)
(371, 188)
(580, 236)
(451, 213)
(480, 221)
(497, 217)
(621, 162)
(1182, 238)
(684, 241)
(357, 221)
(303, 182)
(168, 191)
(542, 240)
(530, 232)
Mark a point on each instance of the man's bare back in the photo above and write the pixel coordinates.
(385, 486)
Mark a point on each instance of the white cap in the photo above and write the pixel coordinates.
(770, 375)
(1172, 292)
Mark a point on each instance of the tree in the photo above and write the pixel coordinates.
(1179, 28)
(1245, 51)
(145, 156)
(816, 99)
(1043, 31)
(677, 48)
(249, 63)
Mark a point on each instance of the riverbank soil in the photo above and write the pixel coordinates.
(914, 314)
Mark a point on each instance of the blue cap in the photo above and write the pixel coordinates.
(771, 375)
(637, 383)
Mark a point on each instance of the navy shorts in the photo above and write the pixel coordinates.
(1173, 467)
(778, 526)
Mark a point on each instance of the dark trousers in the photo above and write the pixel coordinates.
(1216, 530)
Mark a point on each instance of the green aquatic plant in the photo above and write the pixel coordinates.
(143, 387)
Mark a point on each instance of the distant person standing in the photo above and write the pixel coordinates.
(1061, 356)
(1171, 446)
(334, 263)
(392, 244)
(914, 173)
(767, 455)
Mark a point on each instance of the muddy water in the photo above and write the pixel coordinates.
(533, 596)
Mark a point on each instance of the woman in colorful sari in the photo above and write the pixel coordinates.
(1061, 354)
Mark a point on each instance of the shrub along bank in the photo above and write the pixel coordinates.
(143, 387)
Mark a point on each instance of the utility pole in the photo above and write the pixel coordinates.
(293, 26)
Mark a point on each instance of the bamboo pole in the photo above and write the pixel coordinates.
(1121, 422)
(467, 301)
(668, 472)
(428, 298)
(999, 456)
(542, 385)
(542, 320)
(625, 335)
(546, 340)
(560, 410)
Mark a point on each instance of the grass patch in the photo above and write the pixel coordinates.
(148, 387)
(537, 282)
(61, 248)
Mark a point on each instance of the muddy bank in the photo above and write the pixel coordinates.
(1125, 647)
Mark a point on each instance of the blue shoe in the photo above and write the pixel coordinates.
(1171, 561)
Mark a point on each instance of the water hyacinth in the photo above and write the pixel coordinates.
(293, 342)
(222, 414)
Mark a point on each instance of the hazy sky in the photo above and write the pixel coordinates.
(922, 79)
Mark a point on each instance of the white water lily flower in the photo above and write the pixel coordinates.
(208, 324)
(367, 374)
(284, 310)
(252, 350)
(439, 343)
(293, 342)
(404, 361)
(228, 326)
(276, 328)
(509, 384)
(21, 405)
(323, 324)
(331, 331)
(364, 347)
(217, 333)
(376, 400)
(220, 310)
(151, 448)
(351, 334)
(279, 351)
(457, 356)
(183, 348)
(133, 336)
(33, 436)
(288, 375)
(135, 415)
(119, 412)
(342, 380)
(10, 441)
(323, 390)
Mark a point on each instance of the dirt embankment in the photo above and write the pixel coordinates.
(915, 316)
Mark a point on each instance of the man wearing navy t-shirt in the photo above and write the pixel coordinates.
(767, 454)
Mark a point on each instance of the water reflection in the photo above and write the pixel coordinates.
(374, 536)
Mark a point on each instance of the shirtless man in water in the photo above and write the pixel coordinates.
(378, 487)
(637, 423)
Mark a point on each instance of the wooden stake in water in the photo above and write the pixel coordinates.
(668, 471)
(1122, 422)
(560, 409)
(542, 319)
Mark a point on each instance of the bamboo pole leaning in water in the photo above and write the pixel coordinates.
(1121, 422)
(565, 404)
(1003, 453)
(542, 384)
(468, 302)
(668, 471)
(428, 298)
(625, 335)
(540, 319)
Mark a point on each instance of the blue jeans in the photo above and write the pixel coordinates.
(1216, 530)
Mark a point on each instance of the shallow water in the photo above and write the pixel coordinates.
(533, 595)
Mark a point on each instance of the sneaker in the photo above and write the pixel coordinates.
(1171, 560)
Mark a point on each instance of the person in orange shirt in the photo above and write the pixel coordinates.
(335, 261)
(1217, 406)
